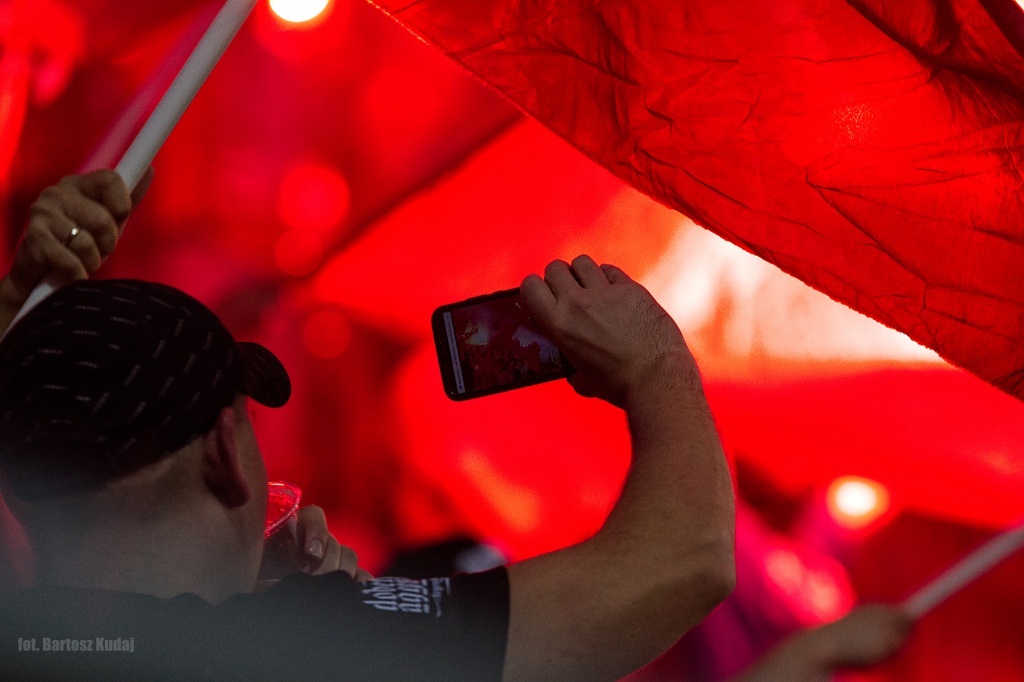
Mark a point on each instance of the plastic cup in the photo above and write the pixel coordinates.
(282, 504)
(281, 552)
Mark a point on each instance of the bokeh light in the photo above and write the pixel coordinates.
(298, 11)
(856, 502)
(313, 196)
(819, 591)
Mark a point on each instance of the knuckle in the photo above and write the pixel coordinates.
(313, 511)
(37, 235)
(52, 194)
(554, 266)
(40, 211)
(107, 176)
(106, 241)
(576, 301)
(92, 259)
(106, 226)
(35, 231)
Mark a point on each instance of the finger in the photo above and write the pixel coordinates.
(62, 262)
(349, 562)
(363, 576)
(313, 533)
(139, 193)
(330, 562)
(108, 189)
(85, 249)
(338, 557)
(614, 274)
(902, 624)
(92, 216)
(560, 279)
(42, 248)
(48, 221)
(587, 272)
(538, 299)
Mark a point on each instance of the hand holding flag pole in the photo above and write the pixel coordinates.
(963, 572)
(165, 116)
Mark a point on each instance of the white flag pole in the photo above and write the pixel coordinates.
(134, 116)
(956, 577)
(168, 112)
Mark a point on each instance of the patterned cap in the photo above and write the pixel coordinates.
(105, 377)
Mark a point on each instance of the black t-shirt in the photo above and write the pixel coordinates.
(304, 628)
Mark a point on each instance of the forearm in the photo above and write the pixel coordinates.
(802, 658)
(675, 520)
(662, 561)
(867, 635)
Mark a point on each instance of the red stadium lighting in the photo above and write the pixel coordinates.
(855, 502)
(313, 196)
(326, 334)
(298, 11)
(299, 253)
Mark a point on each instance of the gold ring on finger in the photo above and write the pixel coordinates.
(71, 235)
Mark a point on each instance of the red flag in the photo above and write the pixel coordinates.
(872, 149)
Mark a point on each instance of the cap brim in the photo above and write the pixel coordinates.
(264, 378)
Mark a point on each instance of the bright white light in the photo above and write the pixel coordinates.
(298, 11)
(856, 503)
(704, 281)
(856, 498)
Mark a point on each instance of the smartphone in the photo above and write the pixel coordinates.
(489, 344)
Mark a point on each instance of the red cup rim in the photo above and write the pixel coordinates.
(282, 504)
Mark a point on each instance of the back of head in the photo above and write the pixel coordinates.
(106, 377)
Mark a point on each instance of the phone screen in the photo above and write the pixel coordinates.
(490, 344)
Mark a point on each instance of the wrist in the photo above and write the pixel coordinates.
(674, 374)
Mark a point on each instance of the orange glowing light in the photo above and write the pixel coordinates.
(298, 11)
(856, 502)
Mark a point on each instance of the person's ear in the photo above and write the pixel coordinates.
(222, 464)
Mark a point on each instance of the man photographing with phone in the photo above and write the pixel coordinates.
(162, 542)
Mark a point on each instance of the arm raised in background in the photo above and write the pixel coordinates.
(72, 228)
(866, 636)
(664, 557)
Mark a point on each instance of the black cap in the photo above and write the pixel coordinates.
(104, 377)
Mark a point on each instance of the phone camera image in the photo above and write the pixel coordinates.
(493, 345)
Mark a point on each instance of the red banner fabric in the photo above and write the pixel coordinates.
(871, 149)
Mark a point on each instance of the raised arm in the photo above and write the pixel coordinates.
(866, 636)
(72, 228)
(664, 558)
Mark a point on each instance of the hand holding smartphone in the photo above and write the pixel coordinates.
(489, 344)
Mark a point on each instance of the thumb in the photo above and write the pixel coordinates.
(140, 189)
(584, 385)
